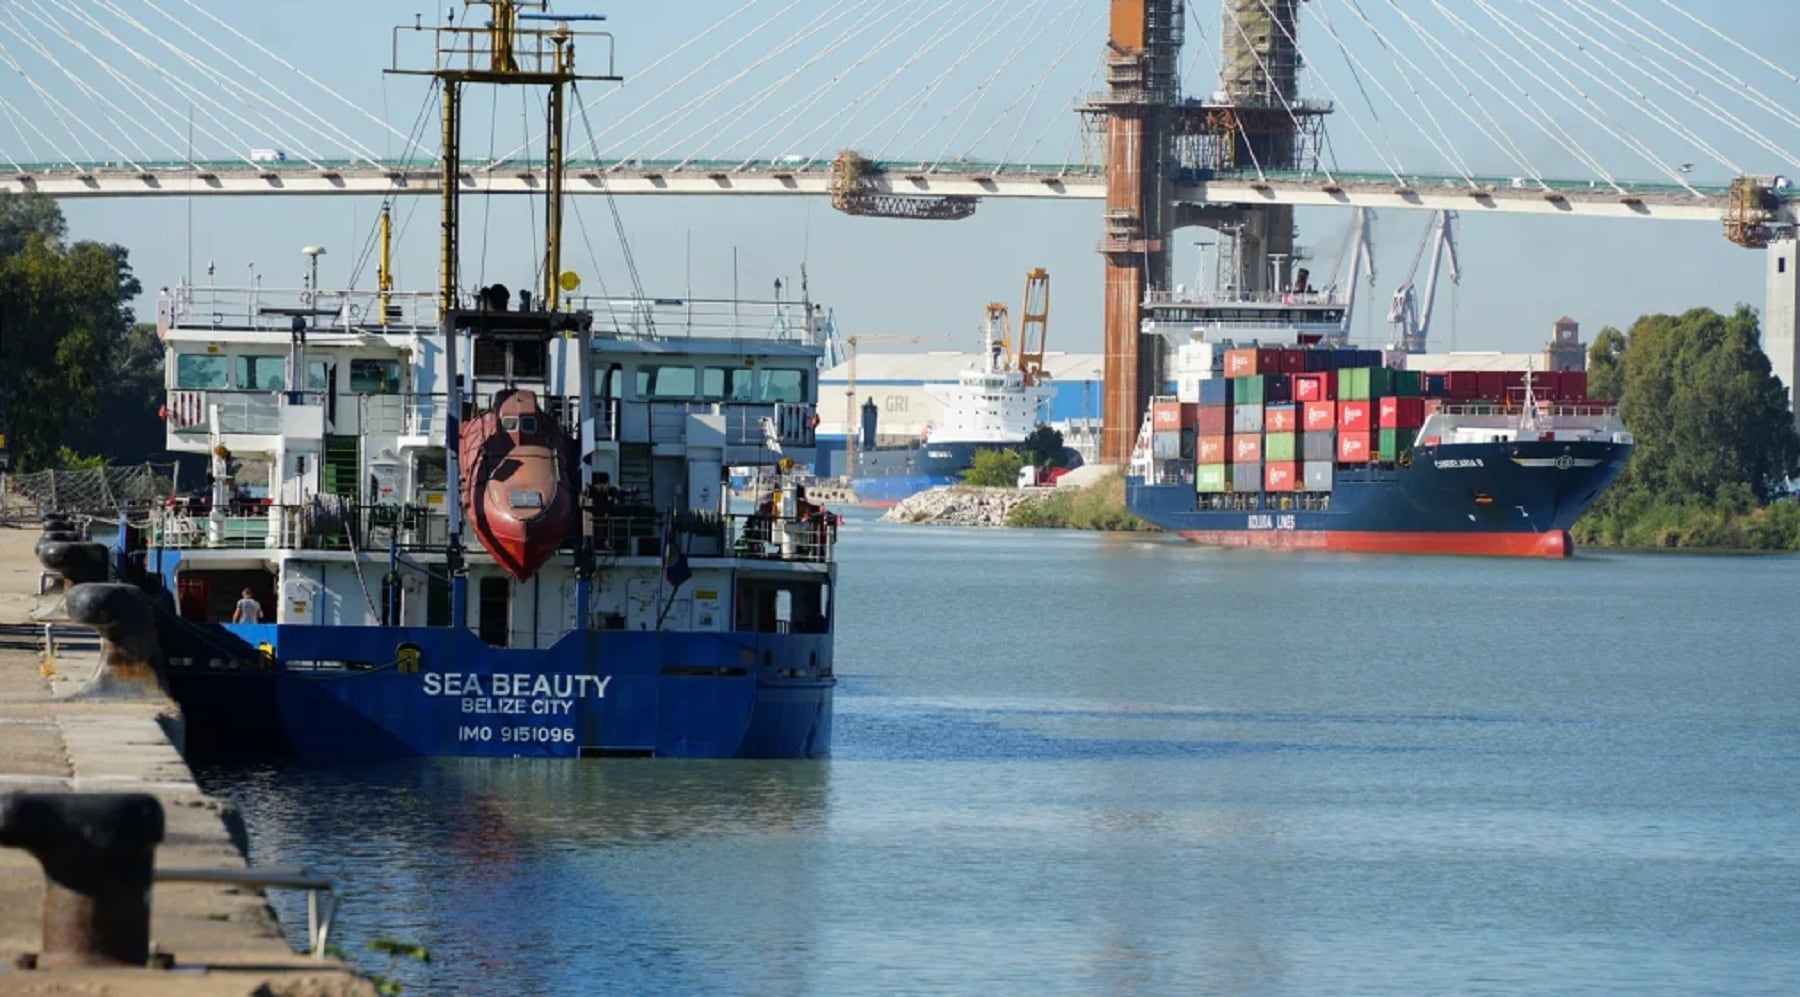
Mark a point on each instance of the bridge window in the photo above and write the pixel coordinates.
(318, 376)
(665, 381)
(727, 384)
(781, 386)
(200, 370)
(261, 373)
(374, 377)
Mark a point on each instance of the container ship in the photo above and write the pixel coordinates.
(1326, 448)
(491, 524)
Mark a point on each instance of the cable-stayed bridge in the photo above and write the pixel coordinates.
(1170, 113)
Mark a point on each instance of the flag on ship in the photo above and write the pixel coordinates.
(675, 565)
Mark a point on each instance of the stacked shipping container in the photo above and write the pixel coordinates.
(1285, 419)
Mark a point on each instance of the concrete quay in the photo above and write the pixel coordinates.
(223, 939)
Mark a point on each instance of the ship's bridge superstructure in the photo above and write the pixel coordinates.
(326, 417)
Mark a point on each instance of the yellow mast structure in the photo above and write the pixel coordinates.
(509, 49)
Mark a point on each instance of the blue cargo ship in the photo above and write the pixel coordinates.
(487, 528)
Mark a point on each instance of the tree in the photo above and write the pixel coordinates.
(130, 394)
(63, 313)
(1044, 448)
(1708, 414)
(994, 469)
(1606, 365)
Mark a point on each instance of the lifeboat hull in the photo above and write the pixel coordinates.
(518, 489)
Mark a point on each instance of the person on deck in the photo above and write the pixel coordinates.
(248, 610)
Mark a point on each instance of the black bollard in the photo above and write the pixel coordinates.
(98, 851)
(131, 654)
(76, 560)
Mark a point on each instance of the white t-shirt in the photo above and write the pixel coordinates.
(248, 611)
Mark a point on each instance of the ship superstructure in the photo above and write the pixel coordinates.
(477, 523)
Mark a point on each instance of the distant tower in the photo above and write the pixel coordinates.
(1781, 312)
(1565, 350)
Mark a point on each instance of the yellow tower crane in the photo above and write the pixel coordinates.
(1034, 323)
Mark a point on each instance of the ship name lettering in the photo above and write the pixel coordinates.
(501, 686)
(1263, 521)
(1451, 465)
(474, 733)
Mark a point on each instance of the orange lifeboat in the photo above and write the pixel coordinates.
(518, 486)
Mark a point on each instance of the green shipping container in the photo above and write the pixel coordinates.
(1353, 384)
(1248, 390)
(1280, 447)
(1409, 383)
(1209, 478)
(1381, 382)
(1392, 442)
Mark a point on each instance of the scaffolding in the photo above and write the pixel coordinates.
(856, 190)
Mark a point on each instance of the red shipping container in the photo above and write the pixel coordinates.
(1281, 419)
(1165, 417)
(1353, 448)
(1292, 361)
(1246, 448)
(1190, 415)
(1211, 449)
(1318, 417)
(1319, 387)
(1491, 385)
(1280, 477)
(1574, 385)
(1355, 416)
(1515, 381)
(1268, 361)
(1402, 413)
(1215, 420)
(1464, 383)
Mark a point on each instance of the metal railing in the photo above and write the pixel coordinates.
(273, 309)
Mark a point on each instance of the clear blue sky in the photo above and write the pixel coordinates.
(934, 277)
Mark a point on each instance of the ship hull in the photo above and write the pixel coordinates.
(417, 691)
(1506, 499)
(887, 476)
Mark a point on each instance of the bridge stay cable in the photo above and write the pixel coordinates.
(205, 103)
(230, 86)
(779, 128)
(1394, 167)
(147, 94)
(1538, 115)
(1768, 103)
(296, 70)
(982, 36)
(1237, 120)
(20, 30)
(52, 103)
(756, 100)
(1755, 97)
(327, 129)
(1630, 141)
(679, 114)
(946, 26)
(1069, 41)
(974, 98)
(1660, 116)
(1456, 160)
(13, 119)
(1450, 156)
(131, 87)
(1506, 143)
(1740, 46)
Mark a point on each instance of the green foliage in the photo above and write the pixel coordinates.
(394, 950)
(1714, 436)
(1044, 448)
(130, 395)
(63, 317)
(1606, 365)
(71, 460)
(994, 469)
(1099, 506)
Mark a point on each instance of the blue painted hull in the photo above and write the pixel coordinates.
(884, 477)
(1484, 498)
(593, 693)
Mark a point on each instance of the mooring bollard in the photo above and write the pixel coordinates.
(98, 851)
(131, 655)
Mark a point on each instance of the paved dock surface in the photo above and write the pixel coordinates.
(224, 939)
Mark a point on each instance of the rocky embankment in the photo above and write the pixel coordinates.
(963, 505)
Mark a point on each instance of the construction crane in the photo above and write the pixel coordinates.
(1410, 317)
(1034, 320)
(855, 190)
(851, 425)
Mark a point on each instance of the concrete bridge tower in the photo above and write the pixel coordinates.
(1254, 122)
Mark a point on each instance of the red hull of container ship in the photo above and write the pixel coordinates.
(1551, 543)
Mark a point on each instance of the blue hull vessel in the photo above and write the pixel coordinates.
(395, 691)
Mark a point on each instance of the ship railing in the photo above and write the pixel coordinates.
(662, 318)
(746, 423)
(1198, 297)
(192, 410)
(1512, 409)
(810, 536)
(404, 414)
(273, 309)
(763, 536)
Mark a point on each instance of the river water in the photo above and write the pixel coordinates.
(1069, 762)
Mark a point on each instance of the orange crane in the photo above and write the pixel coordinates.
(1034, 322)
